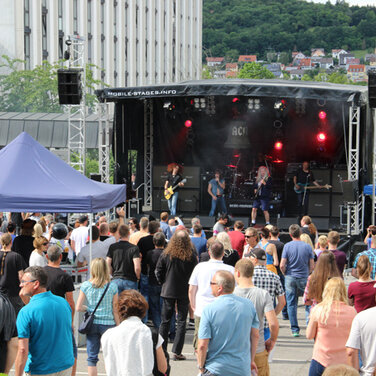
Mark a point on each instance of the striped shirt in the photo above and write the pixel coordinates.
(104, 314)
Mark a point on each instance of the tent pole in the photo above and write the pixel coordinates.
(90, 235)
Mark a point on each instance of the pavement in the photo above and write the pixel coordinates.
(291, 355)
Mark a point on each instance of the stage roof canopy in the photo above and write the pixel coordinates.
(241, 87)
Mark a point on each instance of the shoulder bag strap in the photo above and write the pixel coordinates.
(104, 293)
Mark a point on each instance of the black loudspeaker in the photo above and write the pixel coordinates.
(337, 176)
(69, 85)
(356, 248)
(350, 190)
(285, 223)
(319, 205)
(372, 88)
(207, 222)
(188, 200)
(322, 224)
(151, 216)
(337, 202)
(159, 202)
(245, 220)
(291, 200)
(321, 176)
(96, 177)
(159, 176)
(192, 174)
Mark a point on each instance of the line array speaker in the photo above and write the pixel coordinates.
(69, 85)
(372, 88)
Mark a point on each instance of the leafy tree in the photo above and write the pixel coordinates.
(254, 71)
(36, 90)
(306, 77)
(338, 78)
(206, 73)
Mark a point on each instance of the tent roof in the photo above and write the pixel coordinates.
(241, 87)
(35, 180)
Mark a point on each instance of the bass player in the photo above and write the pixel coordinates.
(262, 191)
(173, 183)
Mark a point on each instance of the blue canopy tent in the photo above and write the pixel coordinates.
(35, 180)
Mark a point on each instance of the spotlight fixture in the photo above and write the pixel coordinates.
(254, 104)
(322, 115)
(278, 145)
(321, 137)
(188, 123)
(280, 105)
(168, 106)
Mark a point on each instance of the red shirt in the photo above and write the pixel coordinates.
(340, 259)
(364, 294)
(237, 241)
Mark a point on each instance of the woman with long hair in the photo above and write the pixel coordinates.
(309, 228)
(325, 269)
(38, 257)
(270, 250)
(128, 349)
(106, 316)
(230, 256)
(174, 267)
(362, 293)
(330, 325)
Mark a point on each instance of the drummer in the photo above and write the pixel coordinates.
(216, 190)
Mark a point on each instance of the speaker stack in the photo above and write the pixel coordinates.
(372, 88)
(69, 85)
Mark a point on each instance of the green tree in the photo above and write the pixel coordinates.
(206, 73)
(36, 90)
(254, 71)
(306, 77)
(338, 78)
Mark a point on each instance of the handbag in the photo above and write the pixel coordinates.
(88, 320)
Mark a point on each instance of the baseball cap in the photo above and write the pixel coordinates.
(258, 253)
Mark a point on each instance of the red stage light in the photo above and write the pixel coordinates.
(235, 100)
(278, 145)
(321, 137)
(188, 123)
(322, 115)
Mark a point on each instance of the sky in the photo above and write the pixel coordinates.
(351, 2)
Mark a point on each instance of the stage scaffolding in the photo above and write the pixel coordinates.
(104, 141)
(148, 155)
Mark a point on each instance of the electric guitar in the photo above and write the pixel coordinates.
(303, 187)
(170, 190)
(258, 191)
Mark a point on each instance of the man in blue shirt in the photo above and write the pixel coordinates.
(216, 190)
(228, 332)
(44, 328)
(296, 264)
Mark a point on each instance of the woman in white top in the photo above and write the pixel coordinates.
(38, 257)
(128, 348)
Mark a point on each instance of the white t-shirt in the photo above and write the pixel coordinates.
(37, 260)
(79, 236)
(201, 276)
(98, 249)
(362, 337)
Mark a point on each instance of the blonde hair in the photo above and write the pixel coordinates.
(100, 274)
(38, 230)
(6, 239)
(323, 241)
(306, 239)
(38, 242)
(340, 370)
(334, 293)
(224, 239)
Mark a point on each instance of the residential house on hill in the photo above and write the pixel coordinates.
(231, 74)
(247, 58)
(357, 73)
(317, 52)
(219, 74)
(213, 61)
(343, 59)
(233, 67)
(305, 63)
(370, 57)
(275, 68)
(337, 52)
(296, 74)
(323, 62)
(352, 61)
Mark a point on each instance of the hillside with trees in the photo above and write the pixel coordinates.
(240, 27)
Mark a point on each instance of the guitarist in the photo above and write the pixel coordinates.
(174, 178)
(304, 178)
(216, 190)
(262, 191)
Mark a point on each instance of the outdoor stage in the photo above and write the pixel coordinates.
(236, 126)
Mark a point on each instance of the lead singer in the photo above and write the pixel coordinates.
(262, 191)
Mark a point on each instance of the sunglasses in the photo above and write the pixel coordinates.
(45, 243)
(250, 236)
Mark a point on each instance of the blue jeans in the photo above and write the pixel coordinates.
(294, 288)
(124, 284)
(144, 290)
(220, 201)
(316, 369)
(172, 203)
(93, 343)
(155, 304)
(284, 310)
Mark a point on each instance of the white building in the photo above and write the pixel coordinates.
(135, 42)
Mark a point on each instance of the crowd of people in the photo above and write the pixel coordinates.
(147, 280)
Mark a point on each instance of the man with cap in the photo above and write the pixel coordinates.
(79, 235)
(267, 280)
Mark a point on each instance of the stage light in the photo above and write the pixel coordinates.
(321, 137)
(235, 100)
(278, 145)
(188, 123)
(168, 106)
(322, 115)
(280, 105)
(254, 104)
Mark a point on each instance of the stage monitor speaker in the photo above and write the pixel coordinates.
(337, 177)
(319, 204)
(356, 248)
(322, 224)
(372, 88)
(151, 216)
(188, 200)
(207, 222)
(321, 176)
(350, 190)
(69, 85)
(283, 223)
(245, 220)
(337, 202)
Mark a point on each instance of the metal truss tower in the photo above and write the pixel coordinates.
(148, 155)
(104, 141)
